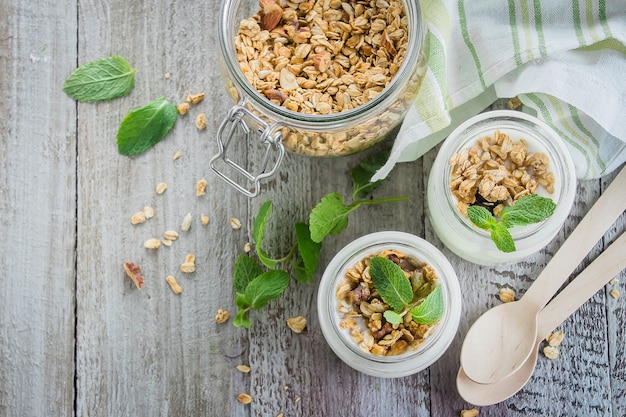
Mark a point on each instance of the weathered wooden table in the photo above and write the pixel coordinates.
(77, 337)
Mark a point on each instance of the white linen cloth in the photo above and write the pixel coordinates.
(565, 60)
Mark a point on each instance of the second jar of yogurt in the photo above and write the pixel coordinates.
(491, 160)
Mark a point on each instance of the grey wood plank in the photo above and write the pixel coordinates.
(38, 206)
(151, 352)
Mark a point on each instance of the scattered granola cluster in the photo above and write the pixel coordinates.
(554, 341)
(362, 308)
(497, 171)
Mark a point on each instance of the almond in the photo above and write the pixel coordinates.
(272, 14)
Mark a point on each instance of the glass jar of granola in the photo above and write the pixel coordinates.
(492, 160)
(348, 309)
(319, 78)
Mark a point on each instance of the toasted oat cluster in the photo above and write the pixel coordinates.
(322, 56)
(362, 308)
(497, 171)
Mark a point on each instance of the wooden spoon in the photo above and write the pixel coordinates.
(501, 340)
(588, 282)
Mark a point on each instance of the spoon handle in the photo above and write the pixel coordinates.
(608, 264)
(584, 237)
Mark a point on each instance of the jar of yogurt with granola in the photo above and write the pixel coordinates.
(507, 164)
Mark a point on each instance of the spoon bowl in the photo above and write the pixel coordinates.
(506, 332)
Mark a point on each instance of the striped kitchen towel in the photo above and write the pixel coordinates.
(565, 60)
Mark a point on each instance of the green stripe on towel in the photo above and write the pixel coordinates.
(468, 42)
(539, 28)
(514, 34)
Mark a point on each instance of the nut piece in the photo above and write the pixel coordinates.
(173, 284)
(138, 218)
(201, 121)
(555, 339)
(189, 265)
(152, 243)
(614, 293)
(272, 14)
(235, 223)
(148, 212)
(204, 220)
(176, 155)
(182, 108)
(195, 98)
(201, 187)
(247, 247)
(551, 352)
(507, 294)
(469, 413)
(161, 187)
(513, 103)
(243, 368)
(244, 398)
(297, 324)
(134, 272)
(170, 235)
(186, 224)
(222, 316)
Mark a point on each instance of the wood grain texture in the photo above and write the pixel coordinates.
(38, 208)
(78, 339)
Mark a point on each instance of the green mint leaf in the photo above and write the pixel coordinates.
(431, 309)
(265, 258)
(265, 287)
(390, 282)
(260, 221)
(502, 238)
(146, 126)
(481, 217)
(362, 174)
(529, 209)
(244, 271)
(258, 230)
(393, 317)
(241, 319)
(104, 79)
(328, 217)
(308, 253)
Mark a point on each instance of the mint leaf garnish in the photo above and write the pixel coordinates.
(481, 217)
(529, 209)
(146, 126)
(328, 217)
(390, 282)
(244, 271)
(502, 238)
(267, 286)
(308, 254)
(431, 309)
(103, 79)
(393, 317)
(362, 174)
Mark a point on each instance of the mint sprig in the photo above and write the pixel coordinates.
(252, 274)
(103, 79)
(529, 209)
(396, 290)
(330, 215)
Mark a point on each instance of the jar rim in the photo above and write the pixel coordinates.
(321, 121)
(397, 365)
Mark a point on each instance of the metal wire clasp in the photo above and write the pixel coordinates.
(270, 137)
